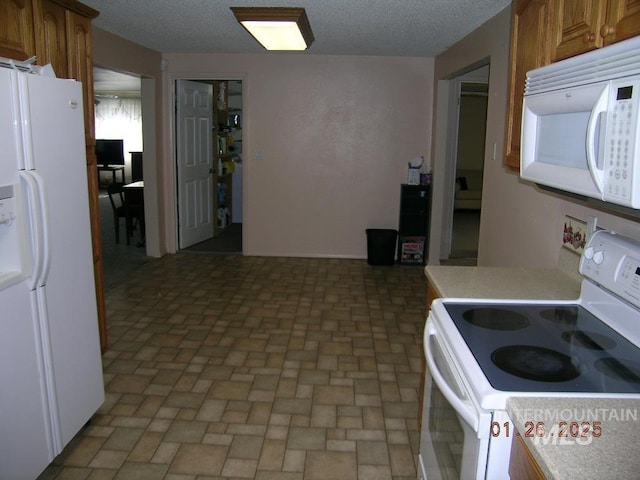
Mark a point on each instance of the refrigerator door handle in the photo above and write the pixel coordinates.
(46, 236)
(38, 228)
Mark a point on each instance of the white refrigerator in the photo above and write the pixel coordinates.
(51, 379)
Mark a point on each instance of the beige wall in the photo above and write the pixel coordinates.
(335, 133)
(326, 140)
(521, 225)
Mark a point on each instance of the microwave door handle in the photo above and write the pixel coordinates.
(595, 138)
(464, 409)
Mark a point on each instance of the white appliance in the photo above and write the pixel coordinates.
(482, 352)
(50, 364)
(580, 126)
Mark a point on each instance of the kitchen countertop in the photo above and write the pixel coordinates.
(612, 454)
(503, 282)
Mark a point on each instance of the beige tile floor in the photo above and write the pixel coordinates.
(231, 367)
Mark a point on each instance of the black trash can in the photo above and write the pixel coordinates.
(381, 246)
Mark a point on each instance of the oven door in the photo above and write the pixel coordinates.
(454, 441)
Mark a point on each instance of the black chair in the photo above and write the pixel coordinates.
(134, 208)
(116, 197)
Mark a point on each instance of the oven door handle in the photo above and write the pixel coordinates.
(463, 408)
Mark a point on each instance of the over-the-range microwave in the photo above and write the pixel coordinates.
(581, 126)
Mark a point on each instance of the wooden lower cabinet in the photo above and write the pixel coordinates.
(432, 294)
(522, 465)
(59, 32)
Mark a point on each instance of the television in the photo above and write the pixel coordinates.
(109, 152)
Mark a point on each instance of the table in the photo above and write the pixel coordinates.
(134, 207)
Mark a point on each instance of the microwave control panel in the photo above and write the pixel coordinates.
(621, 147)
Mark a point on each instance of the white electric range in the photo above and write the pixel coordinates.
(480, 353)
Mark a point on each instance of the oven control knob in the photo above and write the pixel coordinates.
(588, 253)
(598, 257)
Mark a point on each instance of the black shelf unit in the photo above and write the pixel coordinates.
(413, 231)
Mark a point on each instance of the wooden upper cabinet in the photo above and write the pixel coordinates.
(623, 21)
(583, 25)
(51, 36)
(16, 31)
(576, 27)
(529, 50)
(80, 65)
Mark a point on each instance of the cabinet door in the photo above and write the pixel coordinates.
(522, 464)
(529, 50)
(51, 36)
(623, 21)
(576, 27)
(80, 64)
(16, 29)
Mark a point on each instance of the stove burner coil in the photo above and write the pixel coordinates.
(614, 368)
(560, 314)
(590, 340)
(495, 318)
(535, 363)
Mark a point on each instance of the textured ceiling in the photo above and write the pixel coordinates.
(420, 28)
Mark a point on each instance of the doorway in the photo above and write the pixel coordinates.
(222, 209)
(468, 99)
(472, 120)
(119, 116)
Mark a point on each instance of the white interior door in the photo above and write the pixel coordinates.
(194, 161)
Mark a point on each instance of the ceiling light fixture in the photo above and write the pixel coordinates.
(276, 28)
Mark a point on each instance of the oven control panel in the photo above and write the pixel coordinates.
(613, 261)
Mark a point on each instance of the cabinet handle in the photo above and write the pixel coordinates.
(607, 30)
(588, 37)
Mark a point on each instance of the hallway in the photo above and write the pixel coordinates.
(223, 366)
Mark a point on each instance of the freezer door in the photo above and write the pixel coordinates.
(26, 445)
(9, 127)
(26, 440)
(15, 248)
